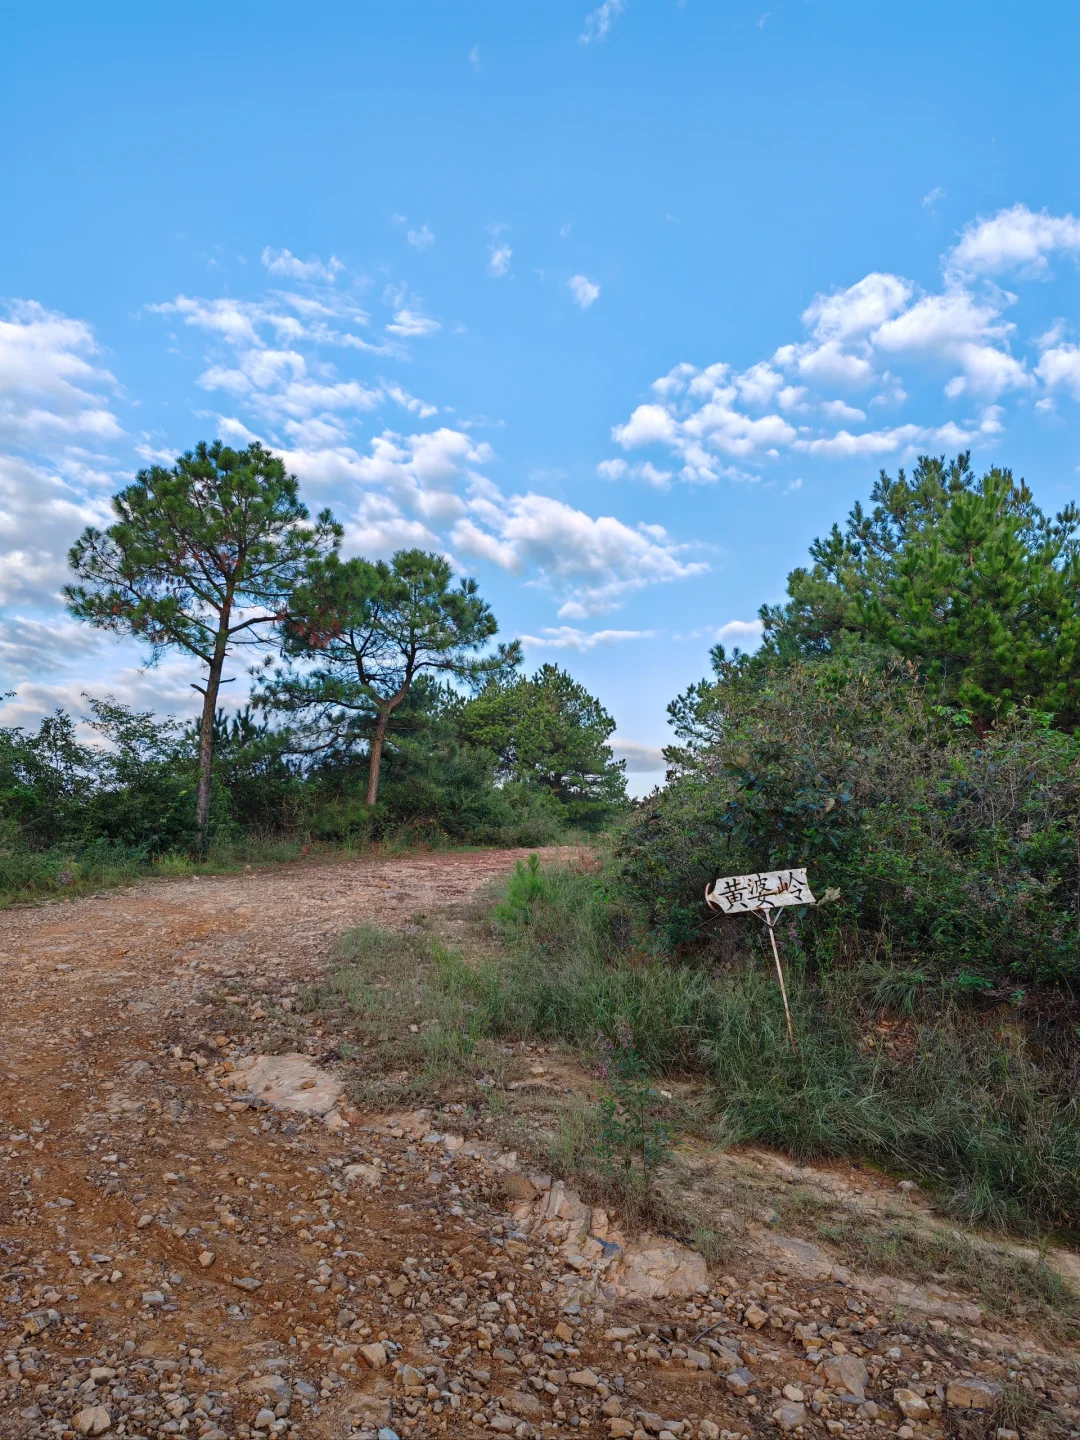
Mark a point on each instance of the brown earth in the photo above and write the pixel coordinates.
(174, 1260)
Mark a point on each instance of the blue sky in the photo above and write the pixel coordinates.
(618, 307)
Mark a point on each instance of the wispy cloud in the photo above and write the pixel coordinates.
(499, 257)
(284, 262)
(598, 22)
(567, 637)
(585, 291)
(640, 759)
(420, 239)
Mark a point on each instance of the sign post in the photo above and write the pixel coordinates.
(764, 894)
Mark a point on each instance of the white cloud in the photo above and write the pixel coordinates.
(621, 470)
(410, 323)
(612, 469)
(499, 257)
(888, 441)
(838, 410)
(956, 339)
(50, 384)
(568, 637)
(284, 262)
(1059, 369)
(852, 313)
(55, 400)
(420, 239)
(647, 425)
(585, 291)
(598, 22)
(746, 634)
(1015, 239)
(474, 58)
(930, 199)
(595, 562)
(640, 759)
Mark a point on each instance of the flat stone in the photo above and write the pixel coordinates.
(586, 1378)
(846, 1373)
(369, 1175)
(912, 1406)
(654, 1268)
(972, 1394)
(269, 1387)
(247, 1282)
(790, 1415)
(287, 1082)
(522, 1403)
(374, 1355)
(94, 1420)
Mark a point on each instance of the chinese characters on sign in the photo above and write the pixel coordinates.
(738, 894)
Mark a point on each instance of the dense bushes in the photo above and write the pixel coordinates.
(956, 857)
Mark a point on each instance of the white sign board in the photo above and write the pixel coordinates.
(737, 894)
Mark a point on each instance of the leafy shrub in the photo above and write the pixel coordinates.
(632, 1129)
(955, 856)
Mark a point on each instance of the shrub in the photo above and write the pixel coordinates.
(955, 856)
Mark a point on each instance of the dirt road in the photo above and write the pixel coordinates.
(176, 1261)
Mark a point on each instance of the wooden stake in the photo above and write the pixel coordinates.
(770, 920)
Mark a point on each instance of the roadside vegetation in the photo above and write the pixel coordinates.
(907, 732)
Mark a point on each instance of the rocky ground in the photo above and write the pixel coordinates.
(197, 1242)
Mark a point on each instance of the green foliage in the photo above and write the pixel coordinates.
(965, 578)
(550, 735)
(986, 1118)
(631, 1129)
(955, 856)
(136, 790)
(200, 558)
(434, 788)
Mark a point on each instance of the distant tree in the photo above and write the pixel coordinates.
(550, 734)
(360, 633)
(202, 556)
(966, 578)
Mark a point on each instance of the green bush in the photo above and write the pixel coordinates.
(955, 856)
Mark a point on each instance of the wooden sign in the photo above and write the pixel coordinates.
(768, 890)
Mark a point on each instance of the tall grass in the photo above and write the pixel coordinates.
(976, 1113)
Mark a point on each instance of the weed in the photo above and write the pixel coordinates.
(631, 1130)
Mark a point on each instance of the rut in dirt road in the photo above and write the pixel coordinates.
(181, 1260)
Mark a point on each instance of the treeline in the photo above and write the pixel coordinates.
(383, 706)
(522, 762)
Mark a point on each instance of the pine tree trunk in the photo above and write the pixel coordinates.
(375, 760)
(206, 745)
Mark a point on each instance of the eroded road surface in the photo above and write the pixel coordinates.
(175, 1260)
